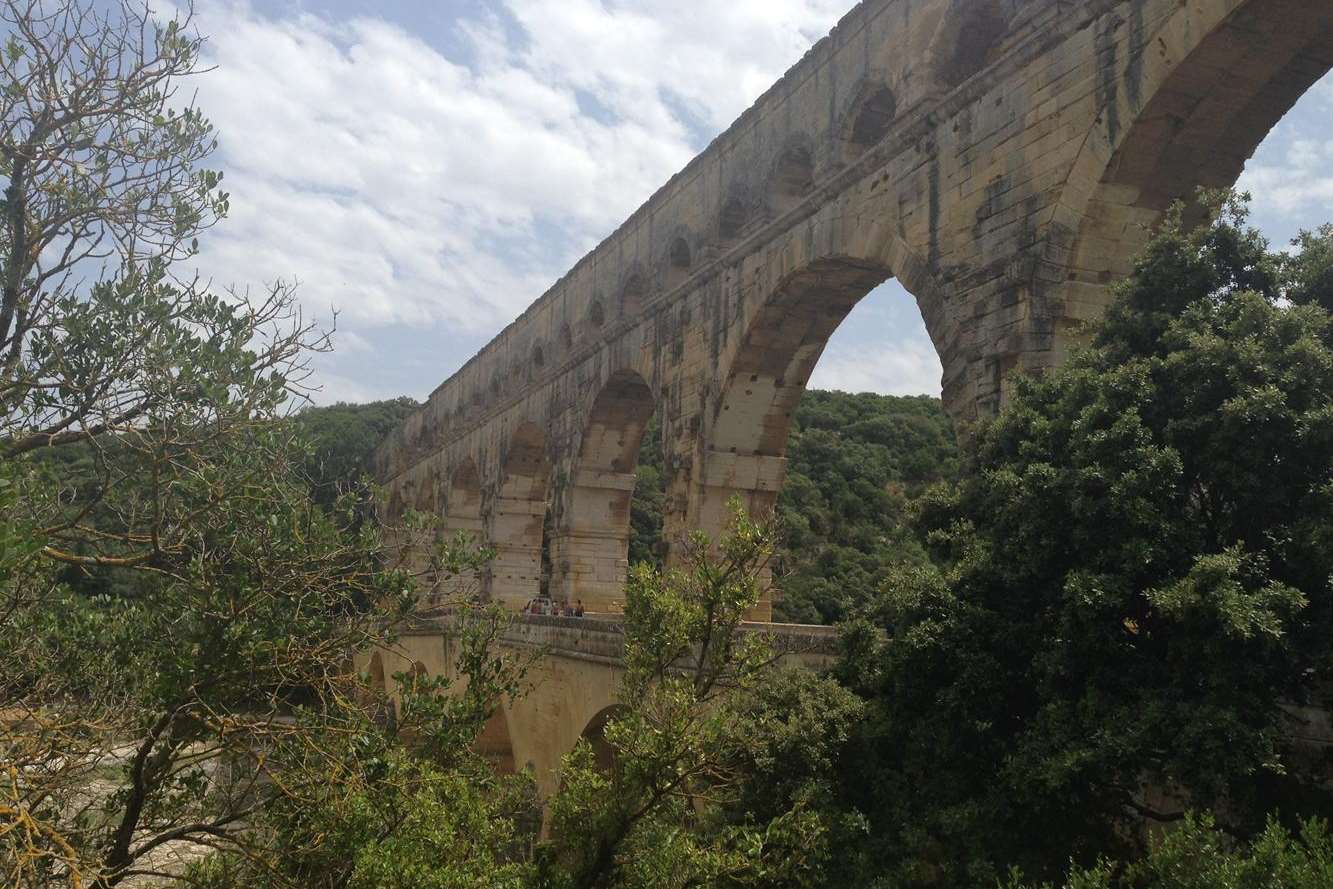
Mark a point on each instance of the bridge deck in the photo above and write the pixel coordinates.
(603, 641)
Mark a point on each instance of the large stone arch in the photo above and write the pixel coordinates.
(744, 443)
(1183, 109)
(780, 332)
(590, 546)
(462, 501)
(516, 517)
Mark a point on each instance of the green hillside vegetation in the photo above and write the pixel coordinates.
(333, 444)
(342, 437)
(854, 464)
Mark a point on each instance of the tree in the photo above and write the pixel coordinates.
(854, 462)
(1196, 855)
(133, 723)
(1131, 603)
(384, 803)
(718, 769)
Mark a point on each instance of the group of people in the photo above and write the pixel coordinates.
(544, 606)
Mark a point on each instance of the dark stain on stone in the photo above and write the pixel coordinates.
(1137, 45)
(933, 176)
(1108, 86)
(991, 204)
(964, 127)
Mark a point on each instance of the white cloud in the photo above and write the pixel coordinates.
(715, 58)
(903, 368)
(1298, 183)
(348, 341)
(333, 388)
(403, 188)
(1291, 175)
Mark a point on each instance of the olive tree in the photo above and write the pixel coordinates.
(717, 768)
(143, 445)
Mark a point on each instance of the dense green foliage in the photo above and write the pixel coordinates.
(646, 508)
(1131, 585)
(1197, 855)
(342, 437)
(175, 610)
(854, 463)
(383, 792)
(1118, 611)
(716, 770)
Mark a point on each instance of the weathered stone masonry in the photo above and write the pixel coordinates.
(1004, 159)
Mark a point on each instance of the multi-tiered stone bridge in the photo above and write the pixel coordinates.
(1003, 159)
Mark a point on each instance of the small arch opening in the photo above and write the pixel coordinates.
(495, 745)
(538, 356)
(679, 258)
(378, 682)
(680, 255)
(566, 336)
(969, 39)
(633, 296)
(595, 735)
(793, 178)
(874, 115)
(380, 706)
(396, 507)
(735, 216)
(425, 497)
(596, 314)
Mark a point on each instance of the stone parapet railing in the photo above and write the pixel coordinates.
(593, 638)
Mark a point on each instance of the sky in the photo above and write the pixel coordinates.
(426, 170)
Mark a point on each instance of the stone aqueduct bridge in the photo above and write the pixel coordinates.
(1004, 159)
